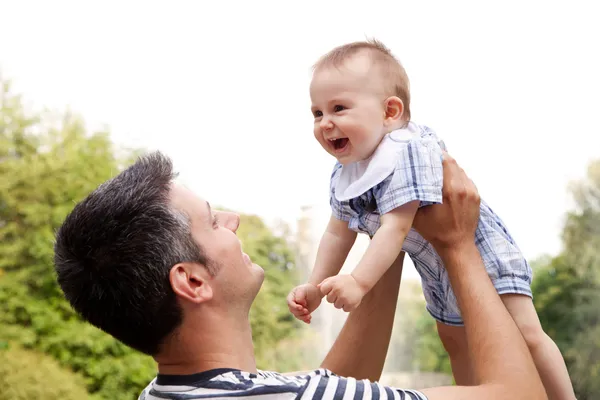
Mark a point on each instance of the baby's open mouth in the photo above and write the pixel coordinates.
(340, 144)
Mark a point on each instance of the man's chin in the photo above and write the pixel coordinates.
(259, 271)
(259, 274)
(254, 288)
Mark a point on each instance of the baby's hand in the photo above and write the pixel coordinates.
(343, 291)
(303, 300)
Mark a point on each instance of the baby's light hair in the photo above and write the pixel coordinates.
(397, 83)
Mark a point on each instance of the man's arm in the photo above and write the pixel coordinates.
(501, 360)
(361, 347)
(502, 364)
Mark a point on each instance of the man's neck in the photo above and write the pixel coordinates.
(215, 341)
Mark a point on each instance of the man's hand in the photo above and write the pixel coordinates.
(502, 365)
(303, 300)
(343, 291)
(450, 225)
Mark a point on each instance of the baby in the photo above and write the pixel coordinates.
(388, 166)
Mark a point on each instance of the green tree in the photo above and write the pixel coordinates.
(567, 289)
(47, 164)
(584, 363)
(562, 300)
(431, 355)
(581, 233)
(26, 374)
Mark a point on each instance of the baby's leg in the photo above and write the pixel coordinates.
(454, 340)
(546, 355)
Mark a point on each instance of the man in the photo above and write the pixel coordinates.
(150, 263)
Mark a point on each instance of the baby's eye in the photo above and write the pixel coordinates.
(339, 108)
(317, 114)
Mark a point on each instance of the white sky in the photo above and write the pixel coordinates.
(222, 87)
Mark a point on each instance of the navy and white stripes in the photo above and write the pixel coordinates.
(320, 384)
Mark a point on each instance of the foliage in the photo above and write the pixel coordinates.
(431, 355)
(567, 289)
(26, 375)
(47, 164)
(415, 344)
(584, 363)
(563, 300)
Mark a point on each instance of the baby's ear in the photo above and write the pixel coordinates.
(394, 109)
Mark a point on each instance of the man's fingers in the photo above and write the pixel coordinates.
(472, 189)
(449, 165)
(450, 170)
(456, 182)
(464, 186)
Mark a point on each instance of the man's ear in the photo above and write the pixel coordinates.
(394, 109)
(191, 282)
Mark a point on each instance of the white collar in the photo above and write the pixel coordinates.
(358, 177)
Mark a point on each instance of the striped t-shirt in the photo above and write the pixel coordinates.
(227, 383)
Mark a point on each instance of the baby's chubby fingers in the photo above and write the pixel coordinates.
(327, 285)
(296, 304)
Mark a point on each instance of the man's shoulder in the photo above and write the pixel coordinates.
(320, 383)
(287, 376)
(305, 374)
(325, 385)
(229, 382)
(146, 390)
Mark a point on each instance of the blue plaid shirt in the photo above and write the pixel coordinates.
(418, 175)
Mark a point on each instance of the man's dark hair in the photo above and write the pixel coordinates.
(114, 252)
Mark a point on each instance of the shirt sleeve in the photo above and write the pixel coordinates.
(339, 209)
(418, 175)
(323, 384)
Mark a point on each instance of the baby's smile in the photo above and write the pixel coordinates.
(339, 144)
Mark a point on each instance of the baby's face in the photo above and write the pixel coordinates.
(348, 108)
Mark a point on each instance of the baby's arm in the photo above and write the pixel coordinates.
(418, 165)
(333, 250)
(385, 245)
(346, 291)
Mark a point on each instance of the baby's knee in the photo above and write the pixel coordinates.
(534, 335)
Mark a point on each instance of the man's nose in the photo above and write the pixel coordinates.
(231, 220)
